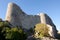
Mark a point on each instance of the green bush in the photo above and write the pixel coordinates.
(42, 30)
(15, 34)
(2, 30)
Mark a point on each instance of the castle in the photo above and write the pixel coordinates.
(17, 17)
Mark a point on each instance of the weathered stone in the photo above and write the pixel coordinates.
(52, 32)
(44, 38)
(17, 17)
(48, 38)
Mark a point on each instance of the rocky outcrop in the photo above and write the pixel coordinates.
(17, 17)
(52, 32)
(44, 38)
(48, 38)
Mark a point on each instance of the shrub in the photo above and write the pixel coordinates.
(15, 34)
(8, 33)
(41, 29)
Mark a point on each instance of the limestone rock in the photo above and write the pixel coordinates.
(17, 17)
(48, 38)
(52, 32)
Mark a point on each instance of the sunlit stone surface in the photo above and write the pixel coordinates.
(17, 17)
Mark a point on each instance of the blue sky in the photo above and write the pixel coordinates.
(33, 7)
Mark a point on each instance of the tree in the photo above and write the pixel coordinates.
(8, 33)
(3, 26)
(15, 34)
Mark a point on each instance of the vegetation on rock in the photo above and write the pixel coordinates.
(15, 33)
(8, 33)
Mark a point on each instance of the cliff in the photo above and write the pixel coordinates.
(17, 17)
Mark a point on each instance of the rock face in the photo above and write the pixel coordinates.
(47, 38)
(44, 38)
(17, 17)
(52, 31)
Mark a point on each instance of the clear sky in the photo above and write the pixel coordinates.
(33, 7)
